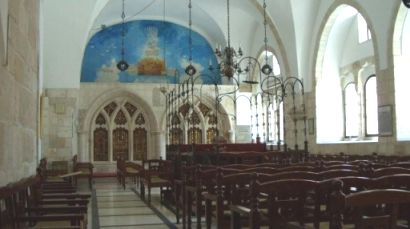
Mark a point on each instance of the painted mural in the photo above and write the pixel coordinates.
(156, 51)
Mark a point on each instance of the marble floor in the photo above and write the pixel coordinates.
(119, 208)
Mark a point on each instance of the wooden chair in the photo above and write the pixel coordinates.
(298, 168)
(286, 204)
(187, 179)
(86, 168)
(390, 171)
(128, 169)
(341, 166)
(295, 175)
(402, 164)
(395, 181)
(338, 173)
(153, 177)
(377, 208)
(204, 182)
(231, 189)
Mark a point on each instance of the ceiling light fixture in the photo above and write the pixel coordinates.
(122, 65)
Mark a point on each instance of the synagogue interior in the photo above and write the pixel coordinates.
(204, 114)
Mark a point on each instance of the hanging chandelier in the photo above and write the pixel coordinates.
(122, 65)
(190, 69)
(228, 55)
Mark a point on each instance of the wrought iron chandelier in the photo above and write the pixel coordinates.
(228, 55)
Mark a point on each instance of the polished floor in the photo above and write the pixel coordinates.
(119, 208)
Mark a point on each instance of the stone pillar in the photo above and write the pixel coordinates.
(155, 143)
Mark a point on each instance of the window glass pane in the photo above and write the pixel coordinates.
(351, 111)
(371, 106)
(243, 109)
(362, 29)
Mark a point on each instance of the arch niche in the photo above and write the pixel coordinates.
(119, 123)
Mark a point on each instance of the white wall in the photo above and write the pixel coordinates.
(3, 18)
(353, 50)
(65, 31)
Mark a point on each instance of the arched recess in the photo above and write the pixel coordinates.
(401, 55)
(201, 125)
(127, 121)
(330, 65)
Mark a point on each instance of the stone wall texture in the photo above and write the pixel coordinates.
(19, 92)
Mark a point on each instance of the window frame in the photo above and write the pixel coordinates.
(365, 105)
(344, 112)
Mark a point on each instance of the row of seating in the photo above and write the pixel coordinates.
(35, 202)
(199, 180)
(298, 202)
(154, 173)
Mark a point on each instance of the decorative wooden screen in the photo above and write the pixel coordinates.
(128, 130)
(211, 134)
(120, 119)
(100, 144)
(176, 136)
(195, 135)
(110, 108)
(120, 143)
(140, 144)
(130, 108)
(100, 139)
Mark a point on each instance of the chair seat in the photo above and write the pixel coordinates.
(132, 171)
(158, 180)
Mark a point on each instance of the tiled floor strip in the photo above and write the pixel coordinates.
(119, 208)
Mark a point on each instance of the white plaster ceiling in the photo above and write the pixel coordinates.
(208, 17)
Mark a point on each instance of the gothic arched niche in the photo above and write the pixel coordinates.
(120, 130)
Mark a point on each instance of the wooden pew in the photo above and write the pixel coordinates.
(22, 208)
(378, 208)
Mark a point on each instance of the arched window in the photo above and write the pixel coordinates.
(120, 129)
(351, 111)
(243, 109)
(340, 111)
(401, 57)
(363, 30)
(370, 95)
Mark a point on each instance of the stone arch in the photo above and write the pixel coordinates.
(320, 82)
(280, 52)
(87, 122)
(399, 63)
(327, 23)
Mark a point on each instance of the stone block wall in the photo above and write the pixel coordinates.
(19, 103)
(59, 114)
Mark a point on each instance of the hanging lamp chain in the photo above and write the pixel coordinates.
(266, 37)
(123, 30)
(190, 31)
(228, 18)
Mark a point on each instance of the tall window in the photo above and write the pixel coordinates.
(370, 93)
(243, 109)
(351, 111)
(363, 30)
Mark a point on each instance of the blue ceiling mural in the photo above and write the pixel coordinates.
(156, 51)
